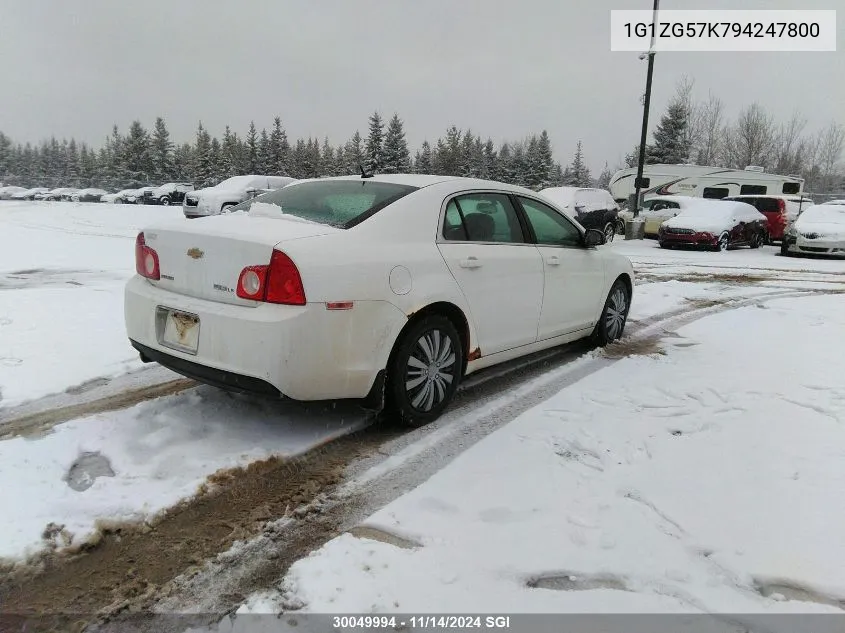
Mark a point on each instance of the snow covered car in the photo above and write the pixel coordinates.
(138, 196)
(167, 194)
(91, 194)
(836, 202)
(389, 289)
(232, 191)
(655, 211)
(592, 208)
(7, 192)
(62, 193)
(715, 224)
(28, 194)
(120, 197)
(820, 230)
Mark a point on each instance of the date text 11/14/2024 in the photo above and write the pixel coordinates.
(420, 622)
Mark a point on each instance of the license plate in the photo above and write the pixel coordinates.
(181, 331)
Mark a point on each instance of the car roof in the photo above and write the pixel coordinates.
(425, 180)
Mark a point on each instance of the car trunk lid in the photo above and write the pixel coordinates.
(204, 258)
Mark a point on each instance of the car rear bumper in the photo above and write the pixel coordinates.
(688, 239)
(302, 352)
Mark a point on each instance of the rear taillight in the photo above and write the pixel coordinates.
(782, 207)
(277, 282)
(146, 259)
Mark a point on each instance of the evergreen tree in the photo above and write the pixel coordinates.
(355, 158)
(299, 162)
(671, 144)
(87, 168)
(138, 162)
(5, 157)
(183, 160)
(396, 158)
(447, 161)
(490, 167)
(375, 144)
(557, 175)
(535, 170)
(71, 175)
(603, 181)
(547, 163)
(217, 163)
(505, 169)
(203, 175)
(519, 165)
(251, 159)
(264, 157)
(577, 174)
(229, 155)
(327, 159)
(280, 152)
(340, 162)
(162, 151)
(423, 160)
(633, 157)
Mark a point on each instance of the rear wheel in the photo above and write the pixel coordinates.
(226, 207)
(424, 371)
(613, 317)
(757, 240)
(722, 243)
(165, 200)
(609, 232)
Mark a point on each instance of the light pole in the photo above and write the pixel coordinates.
(646, 104)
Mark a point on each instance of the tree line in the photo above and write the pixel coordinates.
(140, 157)
(698, 132)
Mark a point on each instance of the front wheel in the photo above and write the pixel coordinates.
(784, 248)
(609, 232)
(226, 208)
(722, 243)
(165, 200)
(424, 371)
(757, 240)
(613, 317)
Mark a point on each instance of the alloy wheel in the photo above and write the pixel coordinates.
(617, 310)
(430, 371)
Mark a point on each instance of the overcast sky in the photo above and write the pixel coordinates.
(505, 69)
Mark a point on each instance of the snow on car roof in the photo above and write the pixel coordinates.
(701, 207)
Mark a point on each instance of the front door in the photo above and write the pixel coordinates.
(574, 290)
(499, 273)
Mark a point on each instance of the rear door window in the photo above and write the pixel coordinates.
(752, 190)
(715, 193)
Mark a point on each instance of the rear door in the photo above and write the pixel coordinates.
(498, 271)
(575, 284)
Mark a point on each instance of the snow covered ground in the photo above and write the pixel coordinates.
(62, 270)
(129, 465)
(705, 479)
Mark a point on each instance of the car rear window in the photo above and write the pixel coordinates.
(763, 205)
(339, 203)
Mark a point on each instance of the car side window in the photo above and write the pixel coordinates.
(482, 217)
(550, 227)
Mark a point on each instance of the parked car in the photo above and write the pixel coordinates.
(715, 224)
(655, 211)
(120, 197)
(169, 193)
(140, 196)
(61, 193)
(593, 208)
(820, 230)
(389, 288)
(232, 191)
(780, 211)
(7, 192)
(28, 194)
(836, 202)
(91, 194)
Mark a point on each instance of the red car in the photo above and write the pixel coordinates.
(716, 225)
(779, 211)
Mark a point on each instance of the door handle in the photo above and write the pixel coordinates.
(470, 262)
(553, 260)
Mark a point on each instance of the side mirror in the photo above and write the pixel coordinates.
(593, 237)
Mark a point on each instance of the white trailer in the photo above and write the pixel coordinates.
(702, 182)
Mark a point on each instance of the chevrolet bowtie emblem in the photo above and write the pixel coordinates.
(195, 253)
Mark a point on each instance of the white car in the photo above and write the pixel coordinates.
(120, 197)
(715, 225)
(836, 202)
(7, 192)
(655, 211)
(592, 208)
(820, 230)
(232, 191)
(388, 289)
(29, 194)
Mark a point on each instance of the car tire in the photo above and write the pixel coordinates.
(414, 361)
(225, 208)
(665, 245)
(614, 315)
(609, 232)
(784, 248)
(165, 200)
(723, 242)
(757, 240)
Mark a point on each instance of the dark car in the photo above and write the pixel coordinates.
(88, 195)
(716, 225)
(593, 208)
(169, 193)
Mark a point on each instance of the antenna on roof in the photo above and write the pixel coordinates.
(364, 172)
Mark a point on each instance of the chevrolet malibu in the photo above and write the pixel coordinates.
(388, 289)
(820, 230)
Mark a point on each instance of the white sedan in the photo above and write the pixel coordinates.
(820, 230)
(388, 289)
